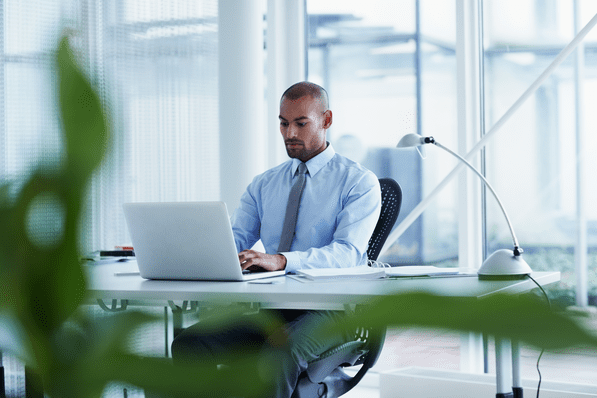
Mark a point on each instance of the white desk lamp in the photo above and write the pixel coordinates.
(503, 263)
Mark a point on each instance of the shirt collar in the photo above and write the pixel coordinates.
(316, 163)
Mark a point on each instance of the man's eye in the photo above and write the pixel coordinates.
(302, 124)
(284, 124)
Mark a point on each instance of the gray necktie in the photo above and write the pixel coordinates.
(294, 199)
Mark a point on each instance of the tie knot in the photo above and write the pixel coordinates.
(302, 168)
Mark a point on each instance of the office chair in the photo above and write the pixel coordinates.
(324, 376)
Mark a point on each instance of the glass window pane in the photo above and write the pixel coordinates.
(397, 15)
(365, 55)
(42, 21)
(159, 68)
(532, 161)
(154, 65)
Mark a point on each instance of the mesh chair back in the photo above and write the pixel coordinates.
(391, 200)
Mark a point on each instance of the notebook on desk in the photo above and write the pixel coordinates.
(185, 241)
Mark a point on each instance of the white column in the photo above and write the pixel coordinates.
(241, 88)
(469, 201)
(469, 127)
(580, 249)
(285, 44)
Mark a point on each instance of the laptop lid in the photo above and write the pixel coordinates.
(185, 240)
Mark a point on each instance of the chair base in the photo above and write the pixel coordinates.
(335, 385)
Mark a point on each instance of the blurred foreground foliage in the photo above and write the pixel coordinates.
(43, 283)
(44, 286)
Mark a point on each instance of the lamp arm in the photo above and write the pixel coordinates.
(517, 249)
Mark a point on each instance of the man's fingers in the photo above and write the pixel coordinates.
(244, 255)
(257, 260)
(247, 258)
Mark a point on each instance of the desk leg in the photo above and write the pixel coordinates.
(516, 381)
(485, 353)
(2, 383)
(177, 320)
(33, 384)
(166, 339)
(503, 370)
(177, 312)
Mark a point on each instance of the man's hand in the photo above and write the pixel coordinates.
(251, 259)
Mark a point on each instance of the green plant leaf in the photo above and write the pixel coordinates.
(43, 282)
(523, 318)
(91, 353)
(82, 117)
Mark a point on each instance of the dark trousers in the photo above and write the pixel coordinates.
(284, 352)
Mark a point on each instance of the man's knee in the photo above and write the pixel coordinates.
(187, 349)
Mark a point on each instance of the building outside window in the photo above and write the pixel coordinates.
(390, 68)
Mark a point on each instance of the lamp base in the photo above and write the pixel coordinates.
(501, 277)
(503, 264)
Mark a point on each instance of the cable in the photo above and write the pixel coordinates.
(539, 372)
(543, 349)
(540, 287)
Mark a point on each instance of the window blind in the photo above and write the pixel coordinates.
(155, 67)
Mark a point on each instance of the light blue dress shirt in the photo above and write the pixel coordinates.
(338, 212)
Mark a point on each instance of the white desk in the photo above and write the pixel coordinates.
(289, 293)
(103, 284)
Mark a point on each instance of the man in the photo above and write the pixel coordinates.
(339, 208)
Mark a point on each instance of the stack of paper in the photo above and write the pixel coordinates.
(367, 273)
(342, 273)
(420, 270)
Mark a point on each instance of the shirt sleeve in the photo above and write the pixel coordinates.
(355, 224)
(245, 221)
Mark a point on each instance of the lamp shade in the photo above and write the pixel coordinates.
(410, 140)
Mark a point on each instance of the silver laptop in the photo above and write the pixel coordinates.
(185, 240)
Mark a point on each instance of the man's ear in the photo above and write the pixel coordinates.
(327, 121)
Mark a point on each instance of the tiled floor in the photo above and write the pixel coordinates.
(406, 347)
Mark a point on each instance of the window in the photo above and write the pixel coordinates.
(532, 162)
(389, 68)
(156, 63)
(155, 67)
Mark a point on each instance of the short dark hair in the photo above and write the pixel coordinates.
(301, 89)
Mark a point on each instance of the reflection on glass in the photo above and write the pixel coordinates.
(386, 78)
(532, 160)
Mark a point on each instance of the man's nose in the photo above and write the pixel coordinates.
(291, 132)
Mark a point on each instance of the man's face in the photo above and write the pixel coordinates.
(303, 124)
